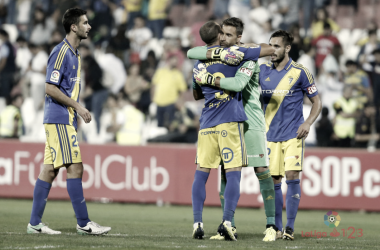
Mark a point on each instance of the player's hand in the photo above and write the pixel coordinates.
(303, 130)
(85, 114)
(231, 56)
(202, 77)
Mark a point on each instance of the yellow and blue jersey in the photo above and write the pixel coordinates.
(283, 93)
(63, 70)
(222, 106)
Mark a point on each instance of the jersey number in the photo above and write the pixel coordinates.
(75, 141)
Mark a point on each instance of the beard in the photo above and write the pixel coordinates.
(82, 35)
(279, 58)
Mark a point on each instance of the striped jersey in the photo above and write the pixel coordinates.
(283, 93)
(221, 106)
(63, 70)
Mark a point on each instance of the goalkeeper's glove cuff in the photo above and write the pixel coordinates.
(216, 53)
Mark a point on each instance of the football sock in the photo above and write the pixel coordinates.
(198, 195)
(75, 190)
(40, 194)
(267, 191)
(231, 194)
(223, 183)
(293, 197)
(279, 202)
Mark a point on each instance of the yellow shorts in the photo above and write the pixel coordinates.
(61, 145)
(285, 156)
(222, 142)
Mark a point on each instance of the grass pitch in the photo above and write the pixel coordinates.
(170, 227)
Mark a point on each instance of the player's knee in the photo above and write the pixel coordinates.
(277, 179)
(233, 169)
(75, 170)
(292, 175)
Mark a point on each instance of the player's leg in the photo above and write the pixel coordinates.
(44, 181)
(234, 155)
(75, 190)
(294, 152)
(207, 157)
(198, 197)
(276, 169)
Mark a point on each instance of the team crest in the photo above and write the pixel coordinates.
(290, 79)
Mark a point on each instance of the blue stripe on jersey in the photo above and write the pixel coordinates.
(68, 143)
(60, 143)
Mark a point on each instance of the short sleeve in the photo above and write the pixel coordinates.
(308, 83)
(56, 65)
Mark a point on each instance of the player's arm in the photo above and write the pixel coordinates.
(240, 80)
(53, 91)
(197, 92)
(309, 87)
(231, 56)
(266, 49)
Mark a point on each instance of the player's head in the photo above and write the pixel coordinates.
(75, 21)
(4, 35)
(233, 30)
(210, 32)
(327, 29)
(281, 41)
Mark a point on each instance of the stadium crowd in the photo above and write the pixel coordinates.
(136, 79)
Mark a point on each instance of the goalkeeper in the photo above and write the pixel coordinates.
(246, 80)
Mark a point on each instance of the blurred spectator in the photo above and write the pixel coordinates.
(297, 45)
(194, 37)
(371, 25)
(290, 10)
(258, 16)
(324, 129)
(183, 128)
(266, 33)
(134, 10)
(135, 84)
(241, 9)
(365, 126)
(157, 15)
(365, 57)
(114, 75)
(56, 37)
(139, 37)
(321, 17)
(148, 66)
(94, 94)
(358, 79)
(120, 43)
(126, 122)
(220, 8)
(200, 11)
(3, 11)
(330, 89)
(43, 27)
(23, 55)
(375, 78)
(7, 64)
(173, 48)
(344, 122)
(168, 82)
(307, 59)
(326, 44)
(11, 125)
(37, 71)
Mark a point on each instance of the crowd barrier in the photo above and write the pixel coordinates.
(331, 179)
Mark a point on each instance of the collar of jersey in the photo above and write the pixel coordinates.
(71, 48)
(215, 46)
(287, 66)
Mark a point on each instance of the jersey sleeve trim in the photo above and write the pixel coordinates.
(307, 72)
(61, 55)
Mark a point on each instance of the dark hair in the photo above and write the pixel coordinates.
(324, 10)
(351, 62)
(326, 26)
(72, 16)
(287, 37)
(235, 22)
(376, 51)
(4, 33)
(209, 32)
(372, 32)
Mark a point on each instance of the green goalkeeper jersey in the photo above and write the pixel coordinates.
(246, 80)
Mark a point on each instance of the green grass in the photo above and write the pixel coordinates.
(170, 227)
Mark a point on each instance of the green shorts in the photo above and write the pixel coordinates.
(256, 145)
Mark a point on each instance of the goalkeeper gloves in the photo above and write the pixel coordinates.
(231, 56)
(202, 77)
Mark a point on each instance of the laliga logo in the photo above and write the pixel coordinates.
(332, 219)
